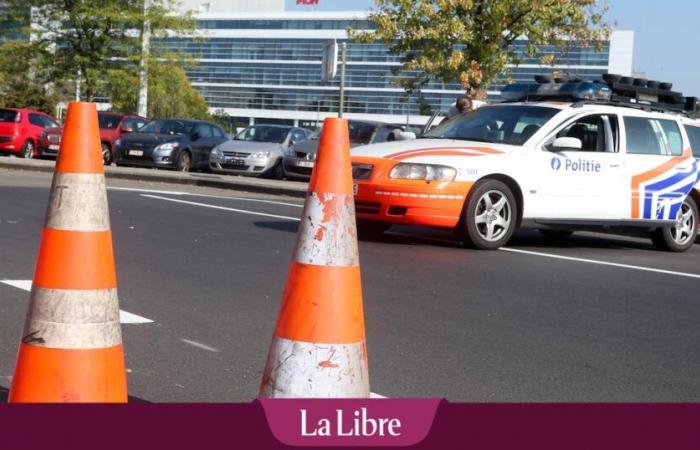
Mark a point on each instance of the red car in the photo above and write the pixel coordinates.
(112, 127)
(23, 131)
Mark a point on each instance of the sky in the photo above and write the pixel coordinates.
(667, 35)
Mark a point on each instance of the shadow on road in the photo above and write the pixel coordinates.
(4, 393)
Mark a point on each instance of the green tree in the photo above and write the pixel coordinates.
(471, 41)
(89, 37)
(22, 83)
(170, 93)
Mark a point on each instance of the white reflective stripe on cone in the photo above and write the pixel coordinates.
(78, 202)
(327, 234)
(73, 319)
(307, 370)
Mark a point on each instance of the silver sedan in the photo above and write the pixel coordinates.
(256, 151)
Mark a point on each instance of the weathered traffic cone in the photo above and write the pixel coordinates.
(71, 349)
(318, 348)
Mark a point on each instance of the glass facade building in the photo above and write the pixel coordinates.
(267, 67)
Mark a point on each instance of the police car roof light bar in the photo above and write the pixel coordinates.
(612, 89)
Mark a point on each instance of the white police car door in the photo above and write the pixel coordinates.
(661, 168)
(587, 184)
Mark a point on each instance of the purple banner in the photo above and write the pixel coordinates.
(456, 426)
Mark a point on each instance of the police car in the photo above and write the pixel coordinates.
(558, 156)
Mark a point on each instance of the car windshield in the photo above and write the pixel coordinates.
(176, 127)
(7, 115)
(316, 135)
(108, 121)
(501, 124)
(263, 133)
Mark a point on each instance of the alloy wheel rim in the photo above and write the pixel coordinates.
(492, 216)
(685, 225)
(28, 150)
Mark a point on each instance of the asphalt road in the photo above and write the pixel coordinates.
(202, 284)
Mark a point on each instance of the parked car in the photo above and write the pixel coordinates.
(22, 130)
(299, 159)
(257, 150)
(178, 144)
(558, 157)
(113, 126)
(50, 142)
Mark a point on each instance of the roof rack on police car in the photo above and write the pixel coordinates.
(612, 89)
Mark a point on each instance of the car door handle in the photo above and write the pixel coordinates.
(616, 165)
(684, 167)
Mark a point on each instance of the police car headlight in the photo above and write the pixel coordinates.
(427, 172)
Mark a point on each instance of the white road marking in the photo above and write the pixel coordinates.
(223, 208)
(200, 345)
(602, 263)
(373, 395)
(223, 197)
(124, 316)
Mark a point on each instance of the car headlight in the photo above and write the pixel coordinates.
(290, 151)
(118, 143)
(216, 152)
(168, 146)
(427, 172)
(260, 155)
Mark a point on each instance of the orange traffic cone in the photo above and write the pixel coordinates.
(318, 348)
(71, 349)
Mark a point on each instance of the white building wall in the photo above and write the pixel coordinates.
(621, 52)
(232, 6)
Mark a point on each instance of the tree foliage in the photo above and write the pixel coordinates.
(90, 37)
(23, 84)
(471, 41)
(170, 94)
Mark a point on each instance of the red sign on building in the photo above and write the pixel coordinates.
(307, 2)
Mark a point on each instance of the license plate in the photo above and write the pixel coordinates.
(236, 162)
(135, 152)
(53, 147)
(305, 163)
(355, 188)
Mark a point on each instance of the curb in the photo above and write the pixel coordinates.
(231, 182)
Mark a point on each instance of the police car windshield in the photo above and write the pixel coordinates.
(501, 124)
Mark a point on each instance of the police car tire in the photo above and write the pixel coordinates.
(469, 229)
(662, 239)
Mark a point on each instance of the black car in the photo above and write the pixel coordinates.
(178, 144)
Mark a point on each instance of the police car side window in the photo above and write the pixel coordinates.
(694, 136)
(597, 133)
(647, 136)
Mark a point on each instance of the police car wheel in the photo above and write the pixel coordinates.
(490, 215)
(682, 236)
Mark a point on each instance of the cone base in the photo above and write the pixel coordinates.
(313, 370)
(49, 375)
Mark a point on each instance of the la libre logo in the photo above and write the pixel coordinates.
(307, 2)
(358, 424)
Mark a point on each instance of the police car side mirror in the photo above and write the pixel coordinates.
(565, 143)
